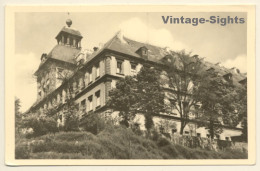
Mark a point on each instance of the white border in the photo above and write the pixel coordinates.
(150, 168)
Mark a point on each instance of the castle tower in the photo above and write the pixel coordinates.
(60, 62)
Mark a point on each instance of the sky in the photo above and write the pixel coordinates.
(35, 34)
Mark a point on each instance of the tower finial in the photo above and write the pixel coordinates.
(68, 21)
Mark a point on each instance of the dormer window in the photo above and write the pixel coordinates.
(211, 69)
(228, 77)
(143, 52)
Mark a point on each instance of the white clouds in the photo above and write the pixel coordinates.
(239, 62)
(25, 83)
(135, 29)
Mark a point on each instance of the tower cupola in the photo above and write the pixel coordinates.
(69, 36)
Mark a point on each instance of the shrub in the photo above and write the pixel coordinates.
(93, 123)
(22, 152)
(163, 142)
(55, 155)
(40, 125)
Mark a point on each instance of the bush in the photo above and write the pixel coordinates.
(155, 135)
(114, 142)
(55, 155)
(22, 152)
(163, 142)
(40, 125)
(93, 123)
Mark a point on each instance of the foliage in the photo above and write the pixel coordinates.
(18, 116)
(71, 116)
(150, 95)
(114, 143)
(183, 76)
(40, 124)
(141, 93)
(241, 106)
(22, 152)
(93, 123)
(218, 105)
(163, 142)
(123, 99)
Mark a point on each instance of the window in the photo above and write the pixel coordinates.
(144, 51)
(90, 100)
(174, 130)
(97, 71)
(186, 132)
(173, 108)
(60, 117)
(161, 129)
(83, 105)
(119, 68)
(133, 68)
(60, 73)
(90, 76)
(198, 134)
(97, 94)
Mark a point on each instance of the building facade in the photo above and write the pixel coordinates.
(87, 76)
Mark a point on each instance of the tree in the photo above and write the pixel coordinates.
(141, 93)
(18, 115)
(71, 116)
(218, 105)
(242, 109)
(123, 99)
(150, 95)
(93, 123)
(183, 77)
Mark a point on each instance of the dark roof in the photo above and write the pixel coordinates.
(236, 77)
(129, 47)
(70, 31)
(63, 53)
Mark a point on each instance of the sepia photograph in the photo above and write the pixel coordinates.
(149, 85)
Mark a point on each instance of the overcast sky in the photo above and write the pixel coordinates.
(35, 34)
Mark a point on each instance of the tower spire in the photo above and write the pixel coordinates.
(68, 21)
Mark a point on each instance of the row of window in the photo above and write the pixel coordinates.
(120, 69)
(83, 103)
(90, 75)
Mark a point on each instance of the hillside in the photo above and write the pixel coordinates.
(111, 143)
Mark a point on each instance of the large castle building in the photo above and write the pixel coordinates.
(87, 76)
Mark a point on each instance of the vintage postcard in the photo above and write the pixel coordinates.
(130, 85)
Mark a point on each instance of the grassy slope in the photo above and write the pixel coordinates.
(113, 143)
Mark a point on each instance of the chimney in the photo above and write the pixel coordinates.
(95, 49)
(235, 70)
(43, 57)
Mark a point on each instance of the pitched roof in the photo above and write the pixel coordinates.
(63, 53)
(129, 47)
(70, 31)
(236, 77)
